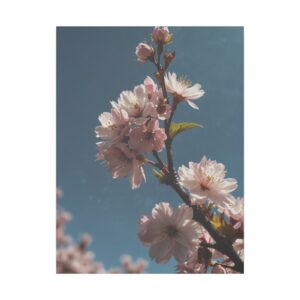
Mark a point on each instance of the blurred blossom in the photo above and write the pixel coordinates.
(61, 219)
(75, 258)
(59, 193)
(133, 267)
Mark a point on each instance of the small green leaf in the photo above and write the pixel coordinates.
(176, 128)
(157, 173)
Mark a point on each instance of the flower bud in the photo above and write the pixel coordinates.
(143, 52)
(161, 35)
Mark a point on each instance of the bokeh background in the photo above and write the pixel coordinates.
(94, 65)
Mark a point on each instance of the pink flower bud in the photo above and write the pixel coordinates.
(161, 35)
(143, 52)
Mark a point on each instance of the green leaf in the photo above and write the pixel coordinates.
(157, 173)
(176, 128)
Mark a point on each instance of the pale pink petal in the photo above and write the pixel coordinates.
(137, 175)
(161, 252)
(180, 252)
(192, 104)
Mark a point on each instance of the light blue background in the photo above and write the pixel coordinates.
(93, 66)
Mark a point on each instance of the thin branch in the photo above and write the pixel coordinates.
(208, 245)
(161, 163)
(222, 244)
(150, 162)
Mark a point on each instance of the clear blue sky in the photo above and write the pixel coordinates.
(95, 64)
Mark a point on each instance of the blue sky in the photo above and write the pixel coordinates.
(94, 65)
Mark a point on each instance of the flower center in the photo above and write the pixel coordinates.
(137, 110)
(209, 178)
(185, 83)
(112, 126)
(172, 231)
(204, 186)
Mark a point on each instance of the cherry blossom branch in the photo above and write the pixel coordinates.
(132, 129)
(222, 244)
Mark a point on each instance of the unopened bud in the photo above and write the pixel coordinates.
(143, 52)
(168, 57)
(161, 35)
(158, 76)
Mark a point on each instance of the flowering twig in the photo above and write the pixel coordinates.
(222, 244)
(132, 129)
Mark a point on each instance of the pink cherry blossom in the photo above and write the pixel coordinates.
(162, 108)
(121, 162)
(147, 138)
(155, 95)
(136, 104)
(169, 232)
(182, 90)
(206, 180)
(143, 52)
(114, 125)
(161, 35)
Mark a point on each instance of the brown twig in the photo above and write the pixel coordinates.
(161, 163)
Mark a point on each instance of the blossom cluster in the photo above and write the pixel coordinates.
(132, 130)
(72, 257)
